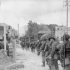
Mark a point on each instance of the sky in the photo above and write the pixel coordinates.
(14, 12)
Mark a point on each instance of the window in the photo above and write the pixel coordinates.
(57, 28)
(57, 37)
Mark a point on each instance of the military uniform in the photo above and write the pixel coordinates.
(65, 51)
(33, 47)
(22, 44)
(38, 48)
(43, 52)
(47, 52)
(54, 56)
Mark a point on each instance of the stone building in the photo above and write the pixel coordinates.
(60, 30)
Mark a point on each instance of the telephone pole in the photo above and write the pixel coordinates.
(18, 32)
(67, 16)
(67, 5)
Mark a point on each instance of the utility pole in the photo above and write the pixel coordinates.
(4, 37)
(67, 16)
(67, 4)
(18, 32)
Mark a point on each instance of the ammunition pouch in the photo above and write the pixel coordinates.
(67, 53)
(67, 56)
(67, 61)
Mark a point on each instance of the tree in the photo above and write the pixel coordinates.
(34, 28)
(52, 27)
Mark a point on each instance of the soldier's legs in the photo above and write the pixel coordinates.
(23, 47)
(33, 49)
(38, 52)
(54, 65)
(67, 67)
(46, 55)
(43, 58)
(49, 64)
(43, 61)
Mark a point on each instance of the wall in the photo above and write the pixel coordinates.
(59, 31)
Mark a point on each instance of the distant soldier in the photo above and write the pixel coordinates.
(33, 46)
(22, 44)
(27, 44)
(38, 47)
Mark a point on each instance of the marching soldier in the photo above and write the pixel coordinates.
(33, 46)
(53, 54)
(43, 42)
(38, 47)
(46, 50)
(22, 44)
(65, 51)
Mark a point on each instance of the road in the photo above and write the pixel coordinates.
(30, 60)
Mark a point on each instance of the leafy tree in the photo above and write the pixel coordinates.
(34, 28)
(52, 27)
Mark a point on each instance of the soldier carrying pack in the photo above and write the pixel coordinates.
(53, 58)
(66, 51)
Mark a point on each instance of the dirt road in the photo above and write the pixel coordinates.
(30, 60)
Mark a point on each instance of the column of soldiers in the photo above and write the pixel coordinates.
(25, 43)
(28, 43)
(52, 51)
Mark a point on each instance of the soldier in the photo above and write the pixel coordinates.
(27, 44)
(43, 42)
(65, 51)
(53, 54)
(22, 44)
(32, 46)
(38, 47)
(46, 50)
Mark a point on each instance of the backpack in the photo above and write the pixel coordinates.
(67, 48)
(55, 51)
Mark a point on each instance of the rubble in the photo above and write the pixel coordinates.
(6, 62)
(4, 59)
(16, 66)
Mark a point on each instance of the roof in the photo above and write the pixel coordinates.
(3, 24)
(62, 28)
(43, 32)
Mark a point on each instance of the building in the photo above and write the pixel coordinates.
(60, 30)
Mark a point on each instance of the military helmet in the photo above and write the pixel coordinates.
(51, 38)
(65, 37)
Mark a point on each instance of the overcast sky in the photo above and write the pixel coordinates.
(13, 12)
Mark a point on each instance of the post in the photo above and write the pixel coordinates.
(18, 32)
(67, 16)
(14, 51)
(4, 37)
